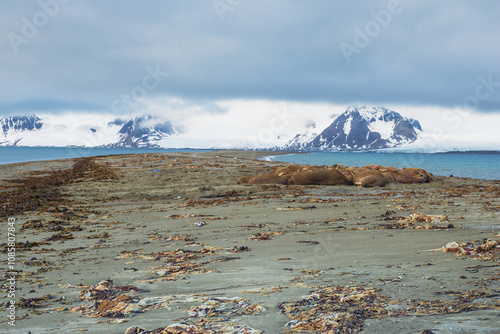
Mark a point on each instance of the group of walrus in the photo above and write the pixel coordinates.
(366, 176)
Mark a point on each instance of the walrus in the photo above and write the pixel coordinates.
(369, 178)
(388, 168)
(388, 177)
(417, 173)
(320, 177)
(337, 166)
(404, 178)
(243, 179)
(354, 170)
(313, 167)
(373, 167)
(288, 171)
(348, 175)
(268, 179)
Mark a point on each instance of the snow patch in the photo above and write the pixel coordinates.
(386, 129)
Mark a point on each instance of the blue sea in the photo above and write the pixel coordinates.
(9, 155)
(481, 166)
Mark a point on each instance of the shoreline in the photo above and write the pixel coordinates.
(270, 155)
(167, 237)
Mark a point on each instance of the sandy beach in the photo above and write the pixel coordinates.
(169, 242)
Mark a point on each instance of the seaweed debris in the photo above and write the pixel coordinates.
(41, 192)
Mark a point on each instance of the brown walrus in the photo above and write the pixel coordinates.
(403, 178)
(388, 168)
(313, 167)
(320, 177)
(287, 171)
(417, 173)
(243, 179)
(268, 179)
(373, 167)
(369, 178)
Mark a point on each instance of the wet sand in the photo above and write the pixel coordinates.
(152, 240)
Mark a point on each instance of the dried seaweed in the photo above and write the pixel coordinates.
(414, 221)
(336, 309)
(42, 192)
(339, 309)
(484, 250)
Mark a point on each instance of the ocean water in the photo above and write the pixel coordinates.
(9, 155)
(481, 166)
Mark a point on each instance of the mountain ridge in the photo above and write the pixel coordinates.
(360, 129)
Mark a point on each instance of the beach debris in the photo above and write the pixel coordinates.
(195, 215)
(212, 310)
(200, 224)
(343, 309)
(203, 328)
(484, 250)
(177, 237)
(179, 262)
(415, 220)
(266, 291)
(231, 193)
(307, 242)
(103, 235)
(334, 309)
(60, 237)
(289, 208)
(114, 301)
(264, 235)
(105, 289)
(32, 303)
(135, 330)
(237, 249)
(223, 306)
(40, 192)
(417, 217)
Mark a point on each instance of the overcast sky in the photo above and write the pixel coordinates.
(106, 56)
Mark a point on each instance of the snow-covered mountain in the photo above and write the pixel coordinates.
(359, 129)
(13, 128)
(143, 131)
(85, 131)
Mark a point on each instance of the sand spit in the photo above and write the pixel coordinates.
(170, 243)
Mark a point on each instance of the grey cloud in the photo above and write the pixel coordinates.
(92, 52)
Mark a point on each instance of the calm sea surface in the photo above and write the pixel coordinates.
(9, 155)
(482, 166)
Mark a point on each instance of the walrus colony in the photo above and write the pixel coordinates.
(366, 176)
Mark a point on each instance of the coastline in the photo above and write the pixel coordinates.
(180, 233)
